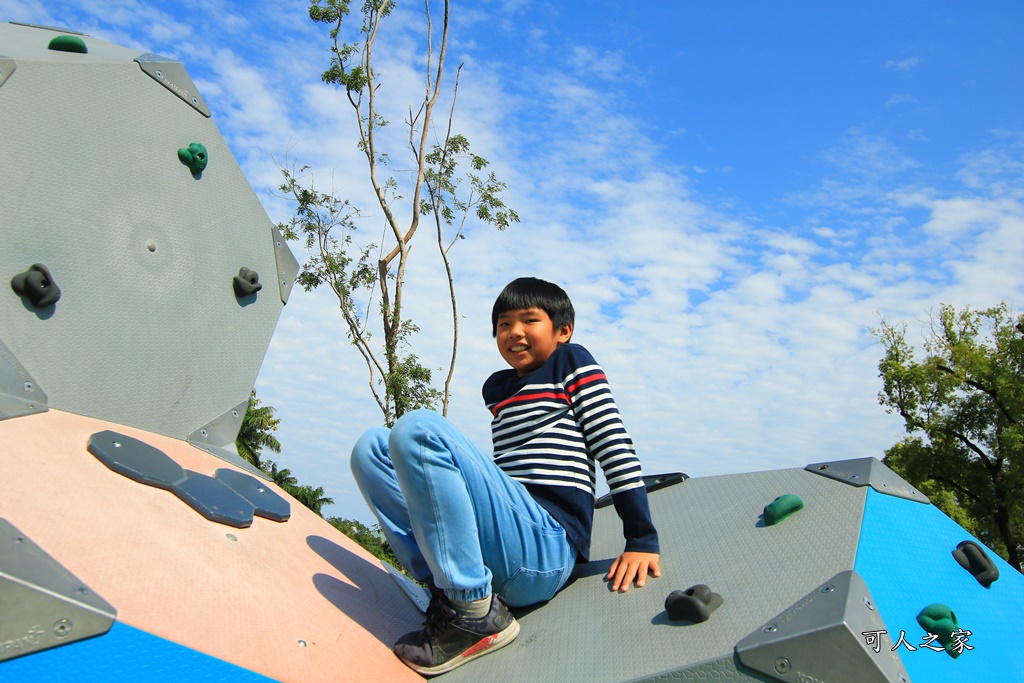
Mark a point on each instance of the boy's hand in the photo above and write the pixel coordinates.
(632, 565)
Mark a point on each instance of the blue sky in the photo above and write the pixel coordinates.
(732, 193)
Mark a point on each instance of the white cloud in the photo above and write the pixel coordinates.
(908, 64)
(733, 342)
(902, 98)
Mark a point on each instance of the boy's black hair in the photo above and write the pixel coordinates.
(529, 292)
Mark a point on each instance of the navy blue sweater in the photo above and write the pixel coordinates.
(550, 426)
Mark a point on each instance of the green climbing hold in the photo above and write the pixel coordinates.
(68, 44)
(194, 156)
(940, 621)
(781, 508)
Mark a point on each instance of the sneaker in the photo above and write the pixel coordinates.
(448, 641)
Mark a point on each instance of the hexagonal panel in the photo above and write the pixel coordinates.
(148, 331)
(135, 459)
(214, 499)
(266, 503)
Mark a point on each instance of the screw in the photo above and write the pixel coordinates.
(81, 590)
(29, 387)
(234, 413)
(62, 628)
(782, 665)
(770, 628)
(827, 589)
(19, 539)
(853, 476)
(203, 432)
(869, 604)
(822, 468)
(159, 73)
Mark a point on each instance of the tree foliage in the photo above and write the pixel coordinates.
(448, 183)
(256, 432)
(370, 539)
(963, 408)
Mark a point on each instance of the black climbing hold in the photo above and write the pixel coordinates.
(782, 507)
(68, 44)
(246, 282)
(37, 285)
(195, 157)
(973, 558)
(652, 482)
(695, 604)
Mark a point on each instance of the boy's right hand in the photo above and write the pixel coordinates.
(632, 565)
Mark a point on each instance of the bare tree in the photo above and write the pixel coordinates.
(448, 185)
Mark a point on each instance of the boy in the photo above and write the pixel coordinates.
(489, 531)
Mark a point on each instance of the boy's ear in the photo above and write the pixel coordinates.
(564, 334)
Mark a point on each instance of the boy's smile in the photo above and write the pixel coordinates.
(527, 337)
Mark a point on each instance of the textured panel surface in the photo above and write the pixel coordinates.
(905, 556)
(125, 654)
(711, 532)
(148, 331)
(721, 670)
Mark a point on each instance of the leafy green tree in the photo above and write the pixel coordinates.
(256, 432)
(370, 539)
(963, 408)
(311, 497)
(282, 478)
(447, 183)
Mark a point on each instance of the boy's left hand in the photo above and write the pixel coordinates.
(632, 565)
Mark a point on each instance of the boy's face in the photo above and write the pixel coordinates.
(527, 337)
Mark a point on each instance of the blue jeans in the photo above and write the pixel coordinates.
(453, 517)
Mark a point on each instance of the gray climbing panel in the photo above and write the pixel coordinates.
(712, 532)
(148, 331)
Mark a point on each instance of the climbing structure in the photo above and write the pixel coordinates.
(144, 283)
(819, 588)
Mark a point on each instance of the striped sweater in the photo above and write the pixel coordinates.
(550, 427)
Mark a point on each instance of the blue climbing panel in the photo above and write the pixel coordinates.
(905, 556)
(124, 654)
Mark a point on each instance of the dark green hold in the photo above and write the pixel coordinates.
(69, 44)
(781, 508)
(194, 156)
(940, 621)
